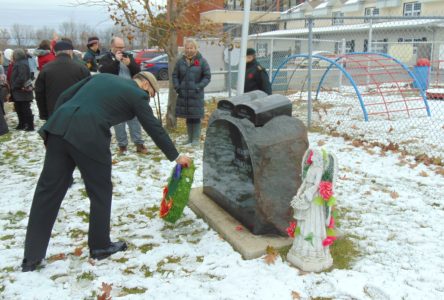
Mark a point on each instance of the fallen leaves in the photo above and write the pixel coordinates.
(357, 143)
(56, 257)
(78, 251)
(106, 292)
(271, 255)
(394, 195)
(391, 129)
(439, 171)
(423, 174)
(321, 143)
(295, 295)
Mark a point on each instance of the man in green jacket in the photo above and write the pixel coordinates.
(78, 134)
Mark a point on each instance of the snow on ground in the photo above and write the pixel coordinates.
(399, 238)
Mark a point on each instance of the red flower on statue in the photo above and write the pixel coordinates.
(326, 190)
(309, 159)
(196, 63)
(291, 229)
(164, 205)
(329, 240)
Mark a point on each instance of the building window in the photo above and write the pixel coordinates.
(412, 9)
(379, 46)
(262, 49)
(418, 44)
(350, 46)
(371, 12)
(337, 18)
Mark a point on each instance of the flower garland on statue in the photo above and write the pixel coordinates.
(325, 198)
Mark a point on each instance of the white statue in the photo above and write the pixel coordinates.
(310, 250)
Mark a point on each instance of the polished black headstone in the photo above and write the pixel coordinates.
(253, 172)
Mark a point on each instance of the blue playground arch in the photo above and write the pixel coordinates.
(335, 63)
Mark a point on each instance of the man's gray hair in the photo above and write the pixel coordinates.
(113, 39)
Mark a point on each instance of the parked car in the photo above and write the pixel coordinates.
(147, 54)
(158, 66)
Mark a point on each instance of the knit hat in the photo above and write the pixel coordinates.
(62, 45)
(92, 40)
(151, 78)
(251, 51)
(8, 54)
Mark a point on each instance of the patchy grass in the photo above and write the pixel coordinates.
(76, 233)
(146, 271)
(121, 260)
(135, 290)
(199, 259)
(84, 215)
(167, 260)
(147, 247)
(6, 237)
(344, 252)
(6, 137)
(86, 276)
(150, 212)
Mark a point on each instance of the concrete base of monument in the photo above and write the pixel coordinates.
(309, 264)
(247, 244)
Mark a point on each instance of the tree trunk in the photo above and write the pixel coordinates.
(171, 121)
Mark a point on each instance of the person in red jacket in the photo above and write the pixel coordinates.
(44, 53)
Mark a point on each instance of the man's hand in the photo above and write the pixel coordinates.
(119, 55)
(183, 160)
(126, 60)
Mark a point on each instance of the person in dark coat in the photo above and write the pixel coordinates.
(190, 76)
(56, 77)
(90, 56)
(21, 90)
(78, 134)
(4, 91)
(256, 78)
(119, 63)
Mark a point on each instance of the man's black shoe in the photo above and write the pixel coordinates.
(111, 249)
(29, 266)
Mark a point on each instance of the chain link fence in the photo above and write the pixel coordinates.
(375, 79)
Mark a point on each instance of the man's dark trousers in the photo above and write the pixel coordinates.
(60, 160)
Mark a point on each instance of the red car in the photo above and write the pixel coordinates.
(147, 54)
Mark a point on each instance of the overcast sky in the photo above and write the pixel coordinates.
(51, 13)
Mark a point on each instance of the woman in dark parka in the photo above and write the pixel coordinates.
(191, 75)
(21, 93)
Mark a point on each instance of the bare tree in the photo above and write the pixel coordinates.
(22, 35)
(144, 16)
(4, 38)
(44, 33)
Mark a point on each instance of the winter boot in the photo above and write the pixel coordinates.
(196, 135)
(122, 149)
(190, 134)
(140, 148)
(29, 124)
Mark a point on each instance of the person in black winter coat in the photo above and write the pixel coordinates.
(56, 77)
(190, 76)
(120, 63)
(21, 90)
(256, 78)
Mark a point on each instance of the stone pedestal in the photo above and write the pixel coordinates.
(311, 263)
